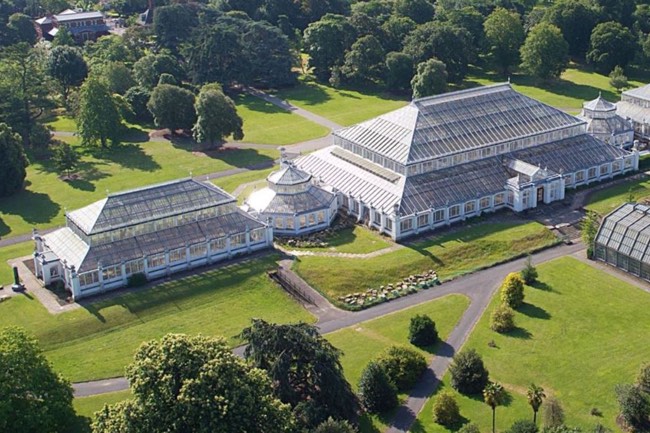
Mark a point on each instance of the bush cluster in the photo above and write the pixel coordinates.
(502, 319)
(422, 331)
(468, 373)
(445, 410)
(403, 366)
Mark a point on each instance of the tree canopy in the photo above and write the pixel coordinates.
(12, 161)
(98, 119)
(216, 116)
(67, 66)
(326, 42)
(611, 45)
(545, 52)
(172, 107)
(430, 79)
(504, 34)
(576, 20)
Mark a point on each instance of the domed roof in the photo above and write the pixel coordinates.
(599, 104)
(289, 174)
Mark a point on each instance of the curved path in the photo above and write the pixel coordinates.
(479, 287)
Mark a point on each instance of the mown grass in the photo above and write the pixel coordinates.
(98, 340)
(608, 199)
(45, 198)
(343, 106)
(11, 252)
(461, 251)
(355, 240)
(580, 333)
(230, 183)
(87, 406)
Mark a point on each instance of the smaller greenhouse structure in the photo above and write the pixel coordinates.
(623, 239)
(604, 124)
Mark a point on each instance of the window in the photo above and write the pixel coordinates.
(279, 222)
(290, 223)
(178, 255)
(591, 173)
(454, 211)
(88, 278)
(389, 225)
(54, 272)
(438, 215)
(580, 176)
(628, 163)
(406, 224)
(218, 244)
(134, 267)
(199, 250)
(377, 217)
(485, 202)
(604, 169)
(112, 272)
(470, 207)
(156, 261)
(238, 239)
(568, 180)
(423, 220)
(498, 199)
(312, 219)
(321, 216)
(303, 221)
(616, 166)
(257, 235)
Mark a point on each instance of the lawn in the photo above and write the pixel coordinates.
(98, 340)
(608, 199)
(343, 106)
(463, 250)
(230, 183)
(87, 406)
(355, 240)
(580, 333)
(45, 198)
(11, 252)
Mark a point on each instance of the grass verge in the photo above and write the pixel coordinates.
(353, 240)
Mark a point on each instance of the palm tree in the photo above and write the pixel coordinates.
(493, 394)
(535, 396)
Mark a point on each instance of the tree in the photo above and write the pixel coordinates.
(63, 38)
(215, 55)
(470, 19)
(545, 52)
(67, 66)
(445, 410)
(642, 18)
(217, 116)
(399, 71)
(98, 119)
(469, 428)
(643, 378)
(553, 413)
(494, 395)
(634, 406)
(422, 331)
(589, 230)
(403, 366)
(334, 426)
(365, 60)
(504, 34)
(172, 107)
(617, 10)
(576, 20)
(611, 45)
(502, 319)
(529, 273)
(419, 11)
(12, 161)
(430, 79)
(304, 368)
(65, 158)
(21, 29)
(118, 77)
(536, 396)
(173, 23)
(33, 398)
(148, 69)
(617, 78)
(395, 29)
(326, 42)
(267, 53)
(450, 44)
(377, 392)
(138, 97)
(468, 373)
(194, 384)
(523, 426)
(512, 290)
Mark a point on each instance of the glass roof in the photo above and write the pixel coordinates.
(627, 230)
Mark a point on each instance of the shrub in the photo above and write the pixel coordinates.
(468, 373)
(502, 319)
(445, 410)
(136, 280)
(334, 426)
(643, 379)
(512, 290)
(553, 413)
(529, 273)
(403, 366)
(469, 428)
(422, 331)
(523, 426)
(377, 392)
(635, 408)
(617, 78)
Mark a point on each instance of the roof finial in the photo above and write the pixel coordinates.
(190, 174)
(283, 156)
(600, 94)
(508, 79)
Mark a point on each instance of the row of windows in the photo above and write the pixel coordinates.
(303, 220)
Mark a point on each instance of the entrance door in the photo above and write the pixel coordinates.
(540, 195)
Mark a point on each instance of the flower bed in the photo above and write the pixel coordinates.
(370, 297)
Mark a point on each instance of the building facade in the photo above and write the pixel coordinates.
(84, 26)
(292, 203)
(604, 124)
(635, 106)
(623, 240)
(155, 231)
(445, 158)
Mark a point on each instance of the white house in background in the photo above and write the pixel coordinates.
(604, 124)
(635, 105)
(448, 157)
(292, 202)
(156, 230)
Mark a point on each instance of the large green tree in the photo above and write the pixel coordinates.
(305, 369)
(21, 29)
(65, 157)
(194, 384)
(173, 23)
(399, 71)
(172, 107)
(98, 118)
(394, 30)
(267, 54)
(504, 34)
(217, 116)
(611, 45)
(576, 19)
(147, 70)
(365, 60)
(326, 42)
(545, 52)
(376, 391)
(419, 11)
(468, 373)
(33, 398)
(118, 76)
(430, 78)
(12, 162)
(68, 67)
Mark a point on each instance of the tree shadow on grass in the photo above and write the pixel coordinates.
(534, 311)
(258, 105)
(237, 157)
(540, 285)
(33, 207)
(135, 135)
(440, 349)
(519, 333)
(4, 228)
(128, 156)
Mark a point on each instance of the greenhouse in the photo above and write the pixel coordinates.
(292, 203)
(604, 124)
(635, 106)
(154, 231)
(623, 239)
(448, 157)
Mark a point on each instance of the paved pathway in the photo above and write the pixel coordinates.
(370, 255)
(478, 286)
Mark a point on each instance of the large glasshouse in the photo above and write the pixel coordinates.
(154, 231)
(623, 239)
(445, 158)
